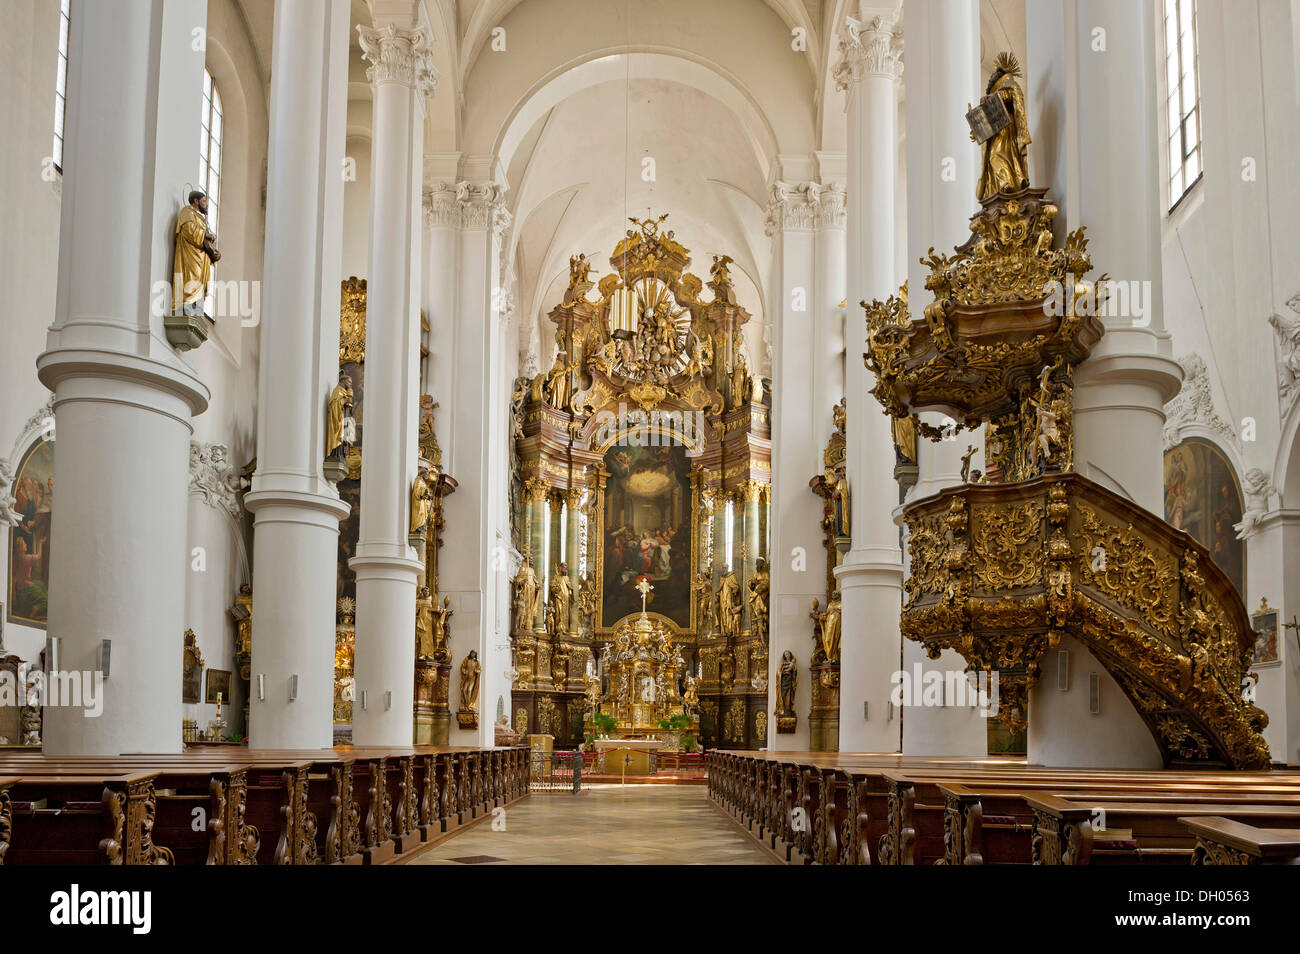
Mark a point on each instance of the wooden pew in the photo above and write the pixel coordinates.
(1222, 841)
(94, 819)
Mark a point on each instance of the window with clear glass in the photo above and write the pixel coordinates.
(210, 163)
(1183, 107)
(61, 83)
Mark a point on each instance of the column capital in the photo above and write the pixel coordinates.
(441, 210)
(805, 206)
(467, 205)
(398, 56)
(869, 48)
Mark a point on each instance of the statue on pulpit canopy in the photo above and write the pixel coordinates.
(729, 604)
(527, 590)
(561, 598)
(1005, 154)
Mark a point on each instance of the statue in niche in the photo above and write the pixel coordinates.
(587, 603)
(561, 599)
(742, 385)
(421, 496)
(787, 680)
(340, 410)
(759, 589)
(424, 645)
(195, 254)
(1005, 165)
(703, 588)
(729, 604)
(526, 593)
(469, 678)
(830, 625)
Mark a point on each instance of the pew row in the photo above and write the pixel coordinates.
(847, 808)
(218, 806)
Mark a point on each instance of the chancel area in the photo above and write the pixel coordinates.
(584, 431)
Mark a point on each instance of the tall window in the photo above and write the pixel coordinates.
(1184, 105)
(210, 148)
(61, 84)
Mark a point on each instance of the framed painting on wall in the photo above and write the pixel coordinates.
(1203, 498)
(218, 684)
(29, 539)
(1264, 622)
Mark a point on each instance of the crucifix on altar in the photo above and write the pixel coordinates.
(645, 586)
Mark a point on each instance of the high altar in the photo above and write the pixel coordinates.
(642, 463)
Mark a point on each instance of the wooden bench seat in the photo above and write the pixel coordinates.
(1223, 841)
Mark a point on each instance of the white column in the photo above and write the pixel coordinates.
(1092, 65)
(123, 398)
(296, 510)
(475, 452)
(795, 512)
(870, 577)
(942, 77)
(828, 319)
(386, 565)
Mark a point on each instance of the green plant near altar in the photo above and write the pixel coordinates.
(603, 723)
(675, 723)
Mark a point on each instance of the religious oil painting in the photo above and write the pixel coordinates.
(646, 532)
(29, 539)
(1264, 623)
(1202, 497)
(218, 685)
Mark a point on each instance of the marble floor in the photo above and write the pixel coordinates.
(605, 825)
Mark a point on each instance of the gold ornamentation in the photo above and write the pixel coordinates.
(352, 321)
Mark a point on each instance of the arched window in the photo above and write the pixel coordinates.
(210, 148)
(61, 84)
(1183, 106)
(210, 163)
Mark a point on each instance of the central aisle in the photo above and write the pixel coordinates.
(605, 824)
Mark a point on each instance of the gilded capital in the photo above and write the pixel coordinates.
(398, 56)
(537, 489)
(873, 48)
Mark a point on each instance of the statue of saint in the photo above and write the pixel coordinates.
(587, 603)
(819, 653)
(788, 678)
(759, 588)
(592, 694)
(727, 668)
(424, 623)
(703, 588)
(690, 696)
(421, 494)
(442, 630)
(195, 254)
(561, 597)
(905, 439)
(831, 629)
(340, 408)
(469, 676)
(526, 593)
(729, 604)
(1005, 166)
